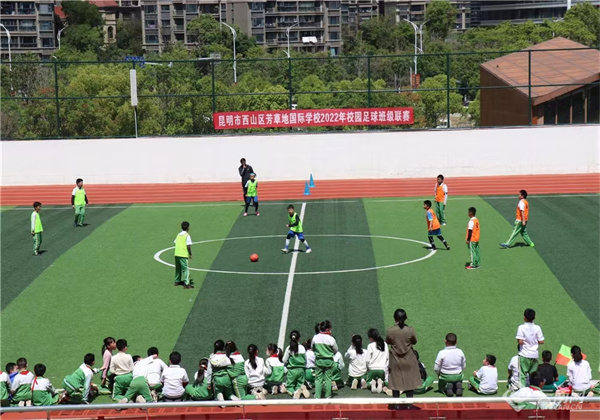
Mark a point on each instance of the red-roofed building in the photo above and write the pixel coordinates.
(109, 10)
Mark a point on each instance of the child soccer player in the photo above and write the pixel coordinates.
(449, 364)
(78, 385)
(295, 229)
(325, 348)
(433, 226)
(485, 380)
(294, 359)
(174, 379)
(20, 389)
(473, 240)
(551, 379)
(357, 366)
(78, 201)
(183, 252)
(521, 222)
(441, 198)
(200, 389)
(251, 194)
(43, 393)
(36, 227)
(529, 336)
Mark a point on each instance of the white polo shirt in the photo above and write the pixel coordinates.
(173, 378)
(513, 367)
(22, 378)
(450, 360)
(378, 360)
(155, 370)
(531, 335)
(580, 375)
(488, 375)
(357, 365)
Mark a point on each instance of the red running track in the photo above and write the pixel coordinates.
(294, 190)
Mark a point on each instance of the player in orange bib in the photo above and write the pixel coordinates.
(521, 222)
(473, 240)
(433, 226)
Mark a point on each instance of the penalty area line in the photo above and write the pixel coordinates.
(288, 289)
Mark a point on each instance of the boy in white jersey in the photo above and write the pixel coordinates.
(449, 365)
(174, 379)
(529, 336)
(485, 380)
(78, 201)
(43, 393)
(20, 388)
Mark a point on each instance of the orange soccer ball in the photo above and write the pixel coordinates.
(254, 257)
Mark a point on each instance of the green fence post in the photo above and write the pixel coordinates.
(291, 99)
(214, 97)
(529, 88)
(448, 90)
(369, 81)
(56, 99)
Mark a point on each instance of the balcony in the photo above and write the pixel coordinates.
(179, 28)
(28, 45)
(26, 11)
(311, 24)
(130, 3)
(311, 9)
(178, 12)
(27, 28)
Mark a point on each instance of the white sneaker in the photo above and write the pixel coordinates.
(235, 398)
(140, 400)
(274, 390)
(334, 386)
(220, 397)
(259, 395)
(123, 401)
(388, 391)
(379, 386)
(309, 250)
(305, 391)
(373, 386)
(285, 250)
(297, 394)
(282, 389)
(363, 384)
(245, 214)
(354, 384)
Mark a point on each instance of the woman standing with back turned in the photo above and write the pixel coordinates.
(404, 375)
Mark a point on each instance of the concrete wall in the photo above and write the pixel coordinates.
(516, 151)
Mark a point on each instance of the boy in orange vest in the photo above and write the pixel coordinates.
(473, 240)
(433, 226)
(441, 198)
(521, 222)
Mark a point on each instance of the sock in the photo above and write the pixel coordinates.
(306, 244)
(443, 241)
(431, 241)
(287, 243)
(246, 207)
(256, 207)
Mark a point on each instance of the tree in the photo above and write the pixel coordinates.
(441, 15)
(588, 15)
(435, 101)
(129, 36)
(82, 13)
(208, 33)
(84, 32)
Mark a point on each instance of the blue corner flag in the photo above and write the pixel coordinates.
(306, 189)
(312, 182)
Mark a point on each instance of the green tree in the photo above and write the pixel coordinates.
(129, 36)
(84, 31)
(435, 101)
(82, 13)
(441, 16)
(588, 15)
(208, 33)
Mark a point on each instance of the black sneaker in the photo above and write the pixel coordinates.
(459, 389)
(449, 390)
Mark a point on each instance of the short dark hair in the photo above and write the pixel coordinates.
(441, 176)
(22, 362)
(547, 356)
(523, 193)
(291, 206)
(89, 359)
(78, 180)
(10, 366)
(473, 210)
(152, 351)
(242, 160)
(451, 338)
(175, 358)
(427, 203)
(39, 369)
(121, 344)
(185, 225)
(36, 204)
(136, 358)
(491, 359)
(536, 379)
(529, 314)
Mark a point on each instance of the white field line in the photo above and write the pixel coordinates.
(502, 197)
(288, 290)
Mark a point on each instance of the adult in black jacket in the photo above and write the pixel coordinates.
(245, 170)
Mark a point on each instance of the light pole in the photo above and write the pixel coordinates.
(59, 33)
(234, 62)
(418, 37)
(287, 35)
(9, 57)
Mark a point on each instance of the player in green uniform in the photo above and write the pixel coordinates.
(295, 229)
(251, 194)
(78, 201)
(183, 252)
(36, 227)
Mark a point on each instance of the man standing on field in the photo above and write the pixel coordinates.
(245, 170)
(78, 201)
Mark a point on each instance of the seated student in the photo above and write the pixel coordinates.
(275, 370)
(12, 370)
(534, 390)
(449, 364)
(551, 379)
(485, 380)
(20, 389)
(378, 361)
(78, 386)
(255, 371)
(294, 359)
(336, 371)
(513, 374)
(155, 369)
(4, 389)
(427, 379)
(121, 366)
(43, 393)
(174, 379)
(579, 373)
(357, 363)
(237, 373)
(310, 364)
(122, 382)
(139, 390)
(200, 389)
(108, 346)
(217, 375)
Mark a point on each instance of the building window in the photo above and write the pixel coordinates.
(26, 8)
(179, 37)
(191, 8)
(45, 9)
(151, 24)
(334, 20)
(333, 5)
(149, 8)
(151, 39)
(11, 24)
(257, 7)
(111, 32)
(165, 8)
(260, 38)
(28, 42)
(165, 23)
(27, 25)
(334, 36)
(258, 22)
(46, 25)
(47, 42)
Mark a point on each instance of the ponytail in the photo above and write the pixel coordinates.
(230, 348)
(107, 342)
(219, 346)
(400, 317)
(252, 351)
(294, 340)
(576, 353)
(280, 354)
(374, 335)
(357, 343)
(273, 349)
(202, 366)
(324, 326)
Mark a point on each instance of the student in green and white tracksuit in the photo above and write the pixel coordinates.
(139, 388)
(43, 393)
(36, 227)
(4, 388)
(237, 373)
(325, 347)
(78, 201)
(78, 385)
(200, 389)
(378, 361)
(336, 372)
(294, 359)
(274, 370)
(217, 374)
(183, 253)
(310, 364)
(21, 386)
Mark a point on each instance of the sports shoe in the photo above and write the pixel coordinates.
(297, 394)
(282, 389)
(235, 398)
(447, 248)
(432, 248)
(308, 250)
(363, 384)
(259, 395)
(305, 391)
(373, 386)
(123, 401)
(274, 390)
(444, 224)
(285, 250)
(387, 391)
(140, 400)
(188, 286)
(379, 386)
(257, 214)
(334, 386)
(354, 384)
(532, 245)
(449, 390)
(505, 246)
(179, 283)
(220, 397)
(472, 267)
(459, 389)
(245, 214)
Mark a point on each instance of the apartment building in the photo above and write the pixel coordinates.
(414, 10)
(31, 27)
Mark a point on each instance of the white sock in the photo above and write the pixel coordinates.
(287, 243)
(306, 244)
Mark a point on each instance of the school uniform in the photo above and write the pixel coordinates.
(522, 216)
(154, 373)
(357, 365)
(513, 368)
(486, 380)
(336, 370)
(21, 386)
(473, 234)
(239, 380)
(4, 386)
(199, 391)
(121, 366)
(325, 347)
(42, 392)
(310, 367)
(580, 377)
(531, 335)
(296, 366)
(274, 371)
(182, 255)
(174, 379)
(216, 373)
(426, 379)
(516, 400)
(256, 377)
(78, 385)
(139, 382)
(377, 363)
(441, 198)
(106, 358)
(449, 364)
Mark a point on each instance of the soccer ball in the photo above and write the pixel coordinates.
(254, 257)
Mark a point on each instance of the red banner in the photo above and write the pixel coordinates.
(312, 118)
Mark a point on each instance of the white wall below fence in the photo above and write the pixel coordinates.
(406, 154)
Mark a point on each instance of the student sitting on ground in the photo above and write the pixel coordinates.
(378, 360)
(579, 373)
(139, 390)
(255, 371)
(275, 370)
(551, 379)
(534, 390)
(13, 370)
(78, 386)
(513, 374)
(427, 379)
(43, 393)
(154, 372)
(294, 359)
(310, 364)
(216, 373)
(357, 363)
(336, 372)
(200, 389)
(174, 379)
(121, 366)
(485, 380)
(4, 389)
(237, 373)
(20, 388)
(449, 365)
